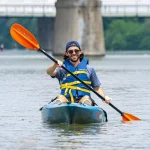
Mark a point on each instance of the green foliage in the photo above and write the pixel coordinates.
(120, 33)
(5, 24)
(127, 34)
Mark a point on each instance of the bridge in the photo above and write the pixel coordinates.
(79, 20)
(47, 10)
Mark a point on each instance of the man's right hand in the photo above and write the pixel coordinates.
(59, 64)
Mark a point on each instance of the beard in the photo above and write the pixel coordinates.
(74, 58)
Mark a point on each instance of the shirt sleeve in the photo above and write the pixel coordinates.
(60, 74)
(57, 73)
(95, 82)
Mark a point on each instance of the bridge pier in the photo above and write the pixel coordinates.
(81, 21)
(46, 32)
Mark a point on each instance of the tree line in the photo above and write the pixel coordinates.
(120, 33)
(127, 33)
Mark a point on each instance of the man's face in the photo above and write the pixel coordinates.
(73, 53)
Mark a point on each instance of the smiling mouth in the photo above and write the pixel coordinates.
(74, 58)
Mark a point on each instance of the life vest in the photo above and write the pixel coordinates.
(71, 87)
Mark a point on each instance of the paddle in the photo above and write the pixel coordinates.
(27, 39)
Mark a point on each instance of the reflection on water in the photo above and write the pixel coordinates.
(25, 87)
(77, 129)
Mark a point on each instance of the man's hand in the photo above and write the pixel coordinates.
(107, 99)
(59, 64)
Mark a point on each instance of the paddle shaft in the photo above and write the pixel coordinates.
(44, 52)
(116, 108)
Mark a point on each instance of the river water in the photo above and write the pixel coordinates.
(25, 87)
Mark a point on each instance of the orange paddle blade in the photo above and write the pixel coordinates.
(129, 117)
(24, 37)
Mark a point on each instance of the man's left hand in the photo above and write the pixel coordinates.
(107, 99)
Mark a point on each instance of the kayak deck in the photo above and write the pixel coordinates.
(73, 113)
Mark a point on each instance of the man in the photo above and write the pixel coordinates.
(71, 89)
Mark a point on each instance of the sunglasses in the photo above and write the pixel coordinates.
(72, 51)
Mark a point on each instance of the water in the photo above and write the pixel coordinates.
(25, 87)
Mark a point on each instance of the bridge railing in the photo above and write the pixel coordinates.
(125, 10)
(27, 10)
(50, 10)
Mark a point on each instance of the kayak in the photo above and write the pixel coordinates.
(74, 113)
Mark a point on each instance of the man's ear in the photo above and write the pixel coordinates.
(66, 53)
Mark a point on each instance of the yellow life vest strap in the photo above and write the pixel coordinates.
(71, 96)
(74, 88)
(77, 72)
(70, 87)
(75, 82)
